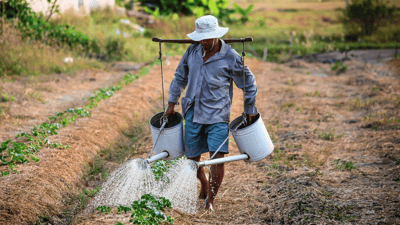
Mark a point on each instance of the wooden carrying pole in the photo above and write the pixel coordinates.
(188, 41)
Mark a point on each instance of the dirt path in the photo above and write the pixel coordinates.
(336, 158)
(37, 98)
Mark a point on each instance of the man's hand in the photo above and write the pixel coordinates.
(251, 118)
(170, 110)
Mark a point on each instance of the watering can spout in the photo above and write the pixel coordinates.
(223, 160)
(194, 166)
(156, 157)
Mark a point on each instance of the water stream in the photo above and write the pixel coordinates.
(134, 178)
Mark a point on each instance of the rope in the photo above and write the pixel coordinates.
(244, 83)
(162, 76)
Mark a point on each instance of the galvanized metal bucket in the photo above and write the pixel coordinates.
(252, 140)
(171, 138)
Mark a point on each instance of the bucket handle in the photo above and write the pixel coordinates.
(163, 121)
(243, 122)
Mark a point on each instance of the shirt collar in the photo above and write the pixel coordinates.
(225, 48)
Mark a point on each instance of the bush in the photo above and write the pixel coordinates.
(35, 27)
(365, 16)
(218, 8)
(115, 49)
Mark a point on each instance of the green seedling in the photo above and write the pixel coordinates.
(150, 210)
(343, 164)
(106, 209)
(124, 209)
(312, 94)
(6, 98)
(339, 67)
(91, 192)
(162, 166)
(328, 134)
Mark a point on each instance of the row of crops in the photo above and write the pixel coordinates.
(26, 145)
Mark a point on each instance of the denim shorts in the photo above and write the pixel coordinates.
(202, 138)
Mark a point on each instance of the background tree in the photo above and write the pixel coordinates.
(365, 16)
(218, 8)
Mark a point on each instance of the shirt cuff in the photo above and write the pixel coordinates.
(173, 98)
(251, 109)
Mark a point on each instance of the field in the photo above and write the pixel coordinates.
(336, 131)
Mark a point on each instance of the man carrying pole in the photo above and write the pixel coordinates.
(208, 70)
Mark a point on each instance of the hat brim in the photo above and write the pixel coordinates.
(196, 36)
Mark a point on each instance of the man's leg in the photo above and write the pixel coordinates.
(203, 180)
(216, 176)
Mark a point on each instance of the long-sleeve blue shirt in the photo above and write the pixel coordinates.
(210, 84)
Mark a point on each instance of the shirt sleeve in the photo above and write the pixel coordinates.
(250, 81)
(180, 80)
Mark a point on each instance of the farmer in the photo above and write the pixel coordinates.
(207, 69)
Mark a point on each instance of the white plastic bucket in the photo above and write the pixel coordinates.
(252, 140)
(171, 138)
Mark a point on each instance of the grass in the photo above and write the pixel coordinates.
(271, 29)
(328, 134)
(286, 106)
(382, 118)
(338, 67)
(313, 94)
(6, 98)
(314, 206)
(344, 165)
(358, 104)
(313, 31)
(25, 57)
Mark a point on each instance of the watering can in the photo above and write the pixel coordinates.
(253, 141)
(167, 137)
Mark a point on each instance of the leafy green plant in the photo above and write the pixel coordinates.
(124, 209)
(160, 167)
(37, 28)
(343, 164)
(286, 105)
(315, 93)
(53, 8)
(243, 12)
(218, 8)
(339, 67)
(5, 98)
(327, 134)
(106, 209)
(91, 192)
(149, 210)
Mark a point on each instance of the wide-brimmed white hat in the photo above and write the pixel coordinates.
(207, 28)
